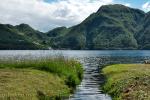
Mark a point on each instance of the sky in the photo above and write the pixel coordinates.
(45, 15)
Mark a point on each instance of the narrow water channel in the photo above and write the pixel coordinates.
(89, 89)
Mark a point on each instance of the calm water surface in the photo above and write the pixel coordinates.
(92, 61)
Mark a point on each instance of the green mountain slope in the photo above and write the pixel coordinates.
(111, 27)
(20, 37)
(143, 36)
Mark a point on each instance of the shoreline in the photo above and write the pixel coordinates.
(127, 81)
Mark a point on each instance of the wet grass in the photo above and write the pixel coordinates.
(42, 78)
(128, 81)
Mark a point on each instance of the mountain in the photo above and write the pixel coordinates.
(20, 37)
(111, 27)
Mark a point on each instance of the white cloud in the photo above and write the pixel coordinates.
(127, 4)
(44, 16)
(146, 6)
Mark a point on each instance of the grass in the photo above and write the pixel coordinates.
(127, 81)
(39, 78)
(27, 84)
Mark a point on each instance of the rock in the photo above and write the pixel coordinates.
(147, 61)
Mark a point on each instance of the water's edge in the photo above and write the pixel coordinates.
(93, 62)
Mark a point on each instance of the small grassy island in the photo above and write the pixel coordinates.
(38, 79)
(128, 81)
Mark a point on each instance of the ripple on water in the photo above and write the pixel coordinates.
(89, 89)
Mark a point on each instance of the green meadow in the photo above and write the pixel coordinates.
(127, 81)
(39, 79)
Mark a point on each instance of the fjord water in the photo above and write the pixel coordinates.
(92, 61)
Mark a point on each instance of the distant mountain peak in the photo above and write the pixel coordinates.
(114, 5)
(117, 7)
(24, 25)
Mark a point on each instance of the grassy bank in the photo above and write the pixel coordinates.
(128, 81)
(42, 78)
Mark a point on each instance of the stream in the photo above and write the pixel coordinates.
(89, 89)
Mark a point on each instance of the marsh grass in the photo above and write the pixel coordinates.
(69, 70)
(128, 81)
